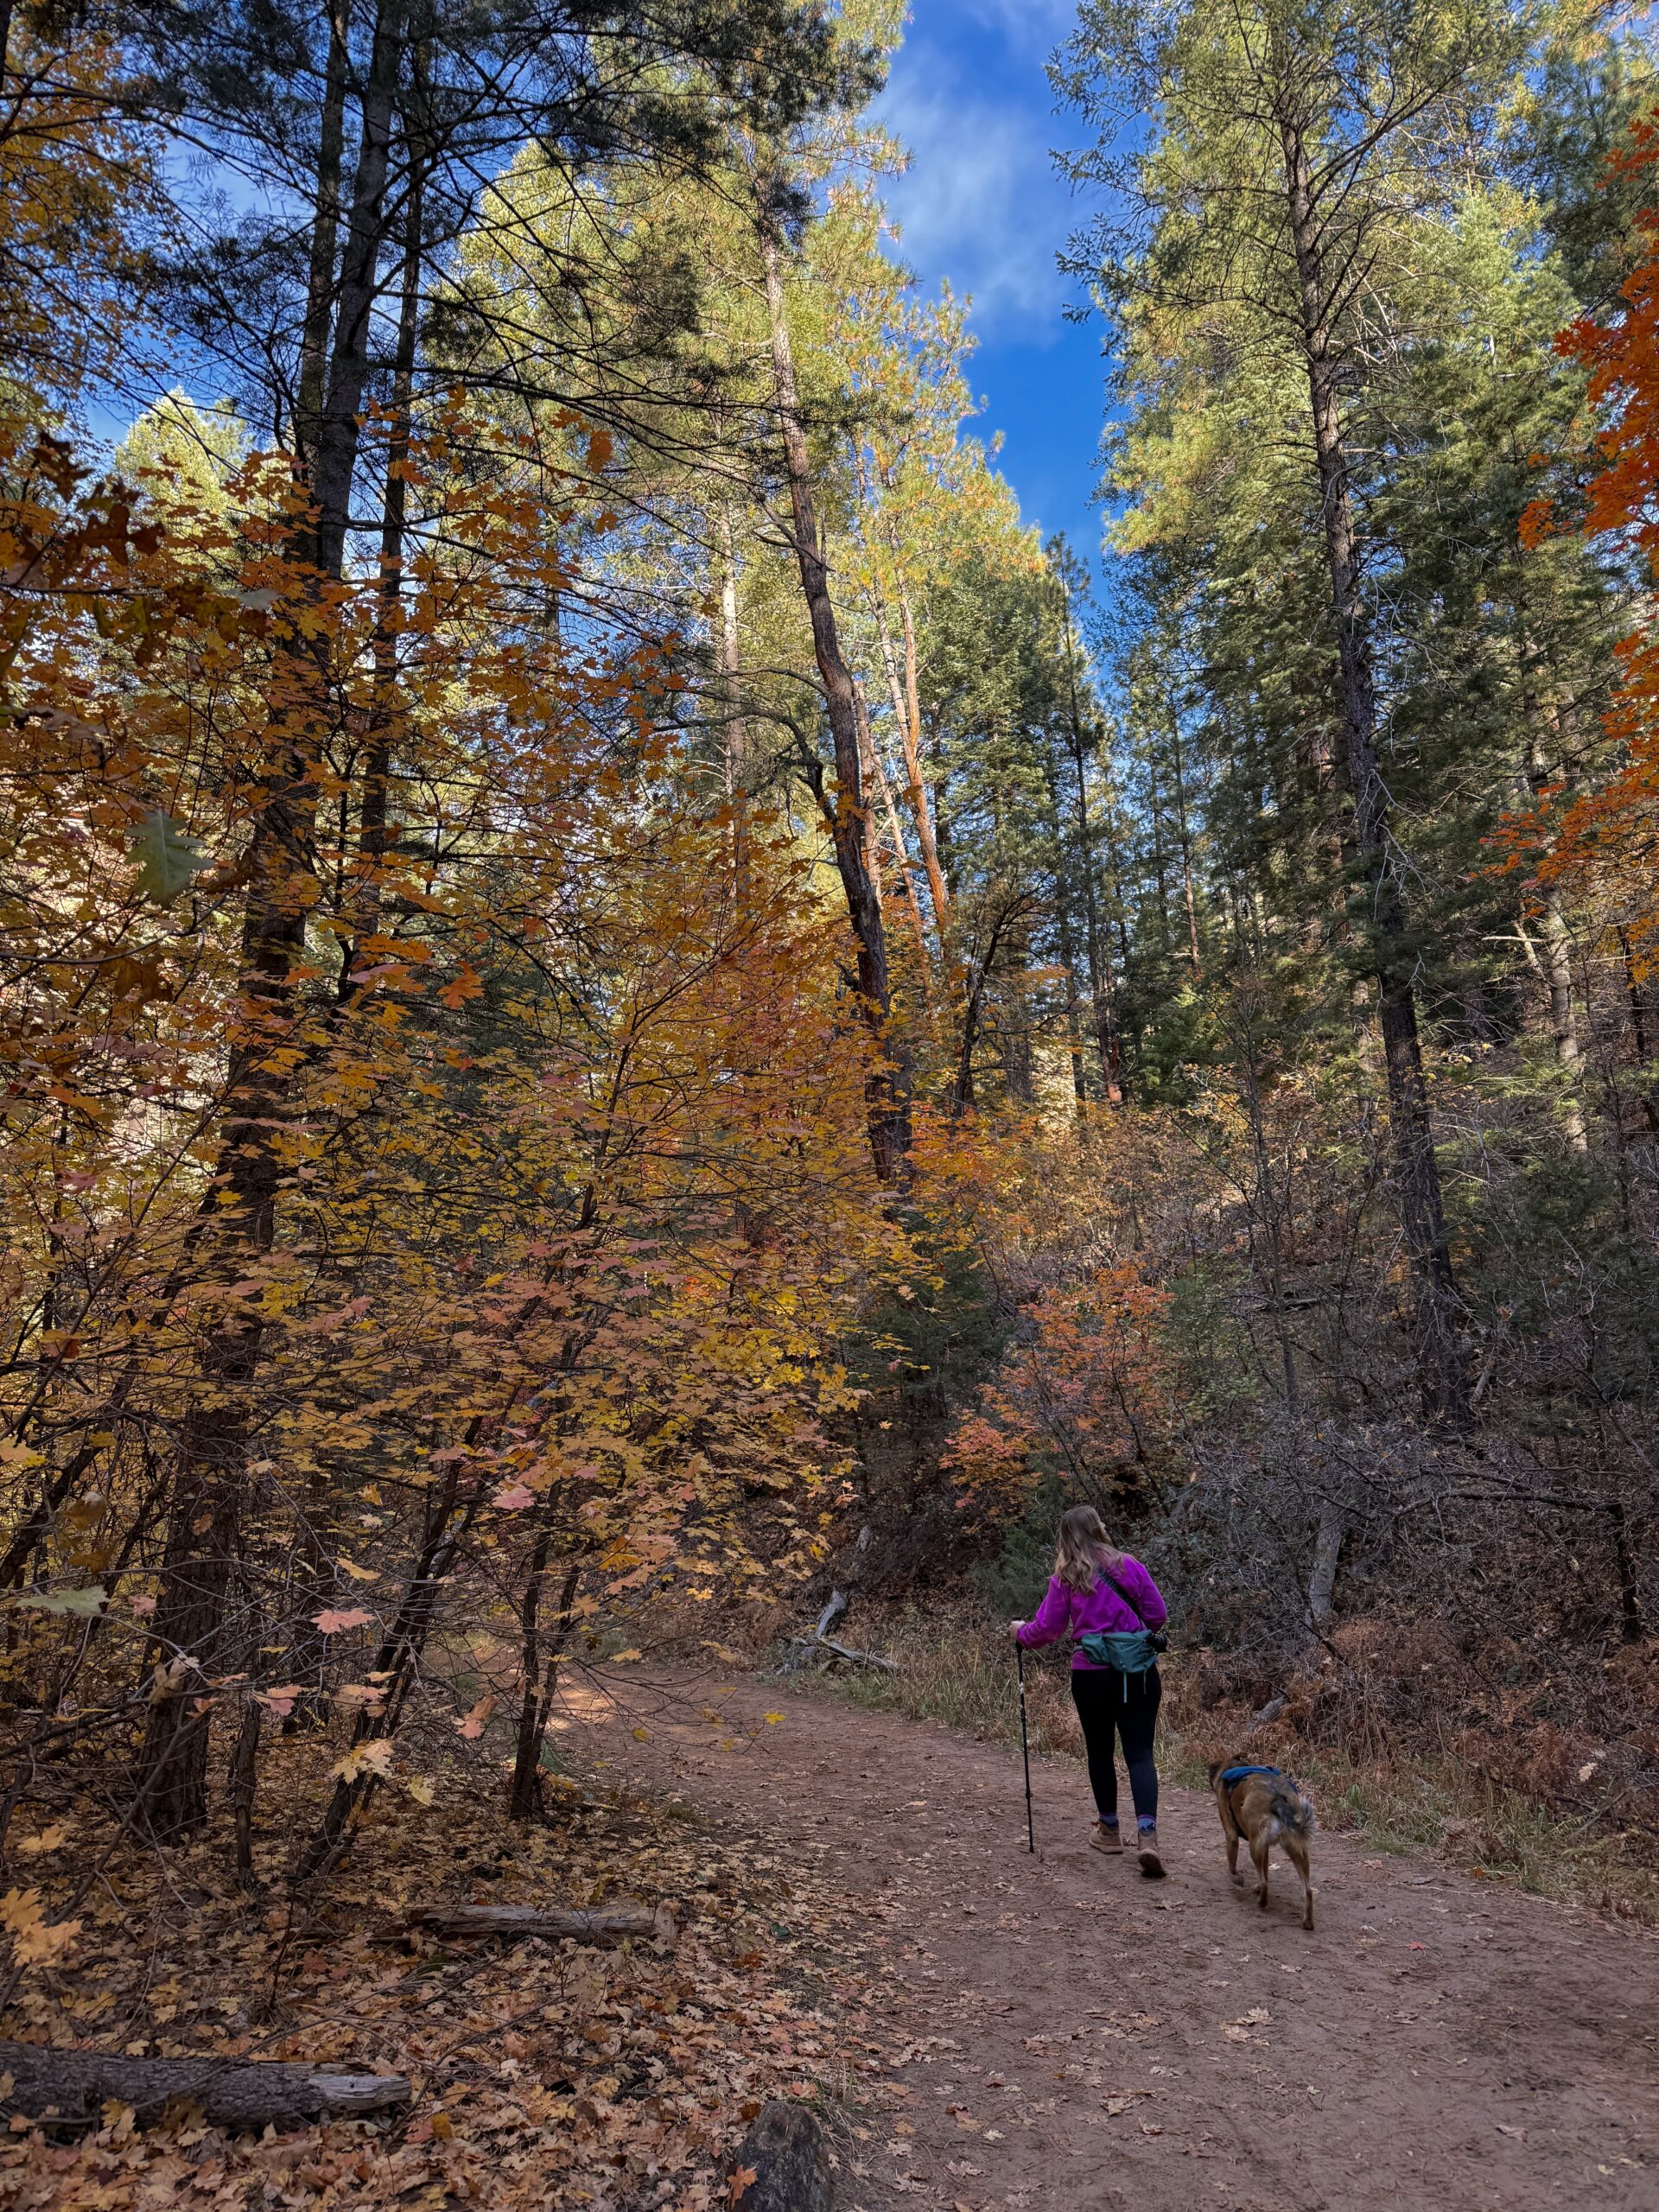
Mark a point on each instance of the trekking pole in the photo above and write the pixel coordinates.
(1025, 1746)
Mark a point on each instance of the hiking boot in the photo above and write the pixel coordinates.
(1105, 1839)
(1151, 1864)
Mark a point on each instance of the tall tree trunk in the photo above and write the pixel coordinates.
(735, 746)
(541, 1671)
(910, 731)
(887, 1089)
(1439, 1318)
(1184, 835)
(1063, 920)
(374, 814)
(1557, 940)
(1103, 984)
(903, 692)
(208, 1501)
(1556, 937)
(912, 897)
(338, 427)
(325, 240)
(869, 782)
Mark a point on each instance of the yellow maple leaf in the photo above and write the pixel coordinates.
(35, 1942)
(374, 1757)
(48, 1839)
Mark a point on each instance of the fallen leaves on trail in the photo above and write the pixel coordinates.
(551, 2076)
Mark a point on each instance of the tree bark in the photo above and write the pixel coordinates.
(1327, 1557)
(1063, 923)
(374, 812)
(1557, 939)
(232, 2093)
(736, 745)
(244, 1778)
(338, 427)
(541, 1670)
(888, 1088)
(1103, 987)
(325, 239)
(1439, 1315)
(907, 708)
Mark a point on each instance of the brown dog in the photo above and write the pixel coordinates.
(1263, 1806)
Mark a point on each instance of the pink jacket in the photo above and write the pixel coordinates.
(1065, 1612)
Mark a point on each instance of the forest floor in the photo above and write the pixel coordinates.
(1057, 2032)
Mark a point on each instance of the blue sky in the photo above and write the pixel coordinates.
(981, 204)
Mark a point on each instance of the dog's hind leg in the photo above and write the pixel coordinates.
(1296, 1851)
(1230, 1828)
(1259, 1846)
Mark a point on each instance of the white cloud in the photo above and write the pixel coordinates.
(1040, 24)
(980, 203)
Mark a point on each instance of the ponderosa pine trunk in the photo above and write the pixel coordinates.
(325, 245)
(887, 1089)
(207, 1497)
(1556, 934)
(1103, 984)
(736, 745)
(1416, 1175)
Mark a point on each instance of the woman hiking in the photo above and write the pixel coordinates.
(1110, 1605)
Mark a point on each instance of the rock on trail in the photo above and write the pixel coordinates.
(1060, 2033)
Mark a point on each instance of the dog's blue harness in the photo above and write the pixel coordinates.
(1230, 1776)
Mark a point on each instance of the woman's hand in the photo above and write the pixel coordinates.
(1014, 1627)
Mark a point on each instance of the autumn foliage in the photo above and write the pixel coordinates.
(1605, 839)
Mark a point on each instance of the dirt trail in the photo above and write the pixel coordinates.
(1100, 2040)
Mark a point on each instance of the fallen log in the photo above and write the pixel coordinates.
(45, 2082)
(845, 1651)
(785, 2162)
(608, 1924)
(839, 1601)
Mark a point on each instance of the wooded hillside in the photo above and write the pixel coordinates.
(624, 1001)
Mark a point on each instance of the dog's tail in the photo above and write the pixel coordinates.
(1290, 1808)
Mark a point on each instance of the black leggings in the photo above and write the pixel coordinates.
(1103, 1708)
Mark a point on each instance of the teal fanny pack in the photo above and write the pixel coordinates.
(1133, 1652)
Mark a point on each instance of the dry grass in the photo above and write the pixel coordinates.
(960, 1672)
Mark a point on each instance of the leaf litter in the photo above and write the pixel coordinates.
(544, 2075)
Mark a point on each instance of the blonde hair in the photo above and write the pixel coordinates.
(1084, 1548)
